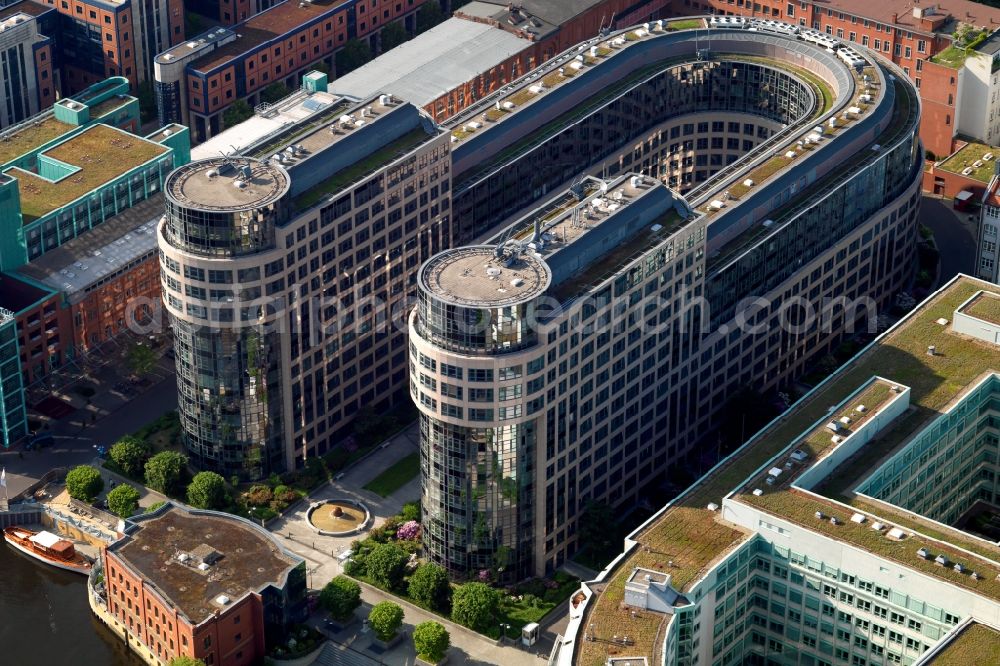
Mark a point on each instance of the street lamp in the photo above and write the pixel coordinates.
(503, 628)
(253, 512)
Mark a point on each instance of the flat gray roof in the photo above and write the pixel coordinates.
(101, 251)
(422, 69)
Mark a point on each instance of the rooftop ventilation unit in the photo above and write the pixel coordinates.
(858, 518)
(757, 492)
(922, 553)
(222, 600)
(833, 426)
(861, 409)
(712, 506)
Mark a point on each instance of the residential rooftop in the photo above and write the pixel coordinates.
(24, 7)
(96, 156)
(265, 27)
(429, 66)
(249, 559)
(976, 643)
(686, 538)
(970, 157)
(104, 250)
(900, 12)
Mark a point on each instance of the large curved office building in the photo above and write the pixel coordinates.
(719, 206)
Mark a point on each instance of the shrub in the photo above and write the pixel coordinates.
(165, 471)
(340, 597)
(259, 495)
(123, 500)
(429, 585)
(385, 564)
(431, 641)
(84, 483)
(411, 511)
(475, 605)
(130, 454)
(186, 661)
(408, 531)
(153, 507)
(385, 619)
(207, 491)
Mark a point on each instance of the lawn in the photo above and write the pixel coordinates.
(966, 157)
(686, 24)
(396, 476)
(985, 307)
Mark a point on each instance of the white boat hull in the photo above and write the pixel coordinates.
(75, 568)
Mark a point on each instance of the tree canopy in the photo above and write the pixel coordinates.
(84, 483)
(429, 585)
(129, 453)
(237, 112)
(340, 597)
(207, 490)
(475, 605)
(123, 500)
(385, 564)
(385, 619)
(392, 35)
(431, 640)
(141, 359)
(165, 471)
(352, 55)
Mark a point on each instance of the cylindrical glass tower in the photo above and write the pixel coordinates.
(217, 236)
(473, 337)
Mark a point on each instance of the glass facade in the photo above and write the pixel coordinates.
(951, 465)
(13, 417)
(225, 233)
(477, 490)
(487, 194)
(229, 397)
(476, 330)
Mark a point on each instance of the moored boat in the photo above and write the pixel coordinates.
(47, 547)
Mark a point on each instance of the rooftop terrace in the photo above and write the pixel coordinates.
(986, 306)
(970, 157)
(250, 559)
(100, 153)
(693, 538)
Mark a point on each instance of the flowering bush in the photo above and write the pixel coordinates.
(484, 575)
(408, 530)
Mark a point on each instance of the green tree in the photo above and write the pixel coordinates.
(237, 112)
(141, 359)
(84, 483)
(475, 605)
(392, 35)
(411, 511)
(123, 500)
(274, 92)
(596, 530)
(147, 101)
(354, 53)
(153, 507)
(431, 640)
(186, 661)
(340, 597)
(385, 564)
(207, 490)
(129, 453)
(385, 619)
(428, 16)
(429, 585)
(165, 471)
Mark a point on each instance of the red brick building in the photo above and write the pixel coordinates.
(44, 329)
(907, 32)
(201, 584)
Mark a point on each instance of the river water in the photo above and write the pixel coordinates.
(45, 618)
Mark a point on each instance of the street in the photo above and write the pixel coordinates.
(954, 235)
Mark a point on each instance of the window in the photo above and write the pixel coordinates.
(921, 46)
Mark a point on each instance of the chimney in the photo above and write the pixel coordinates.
(894, 17)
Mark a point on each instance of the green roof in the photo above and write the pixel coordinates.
(694, 538)
(967, 156)
(102, 154)
(975, 644)
(31, 137)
